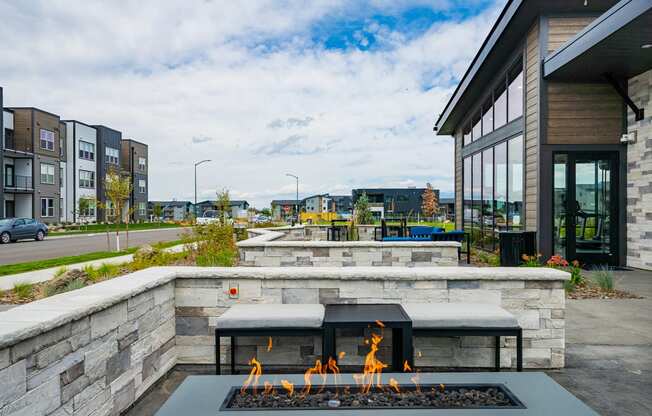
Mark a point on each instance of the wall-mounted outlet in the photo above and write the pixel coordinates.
(234, 290)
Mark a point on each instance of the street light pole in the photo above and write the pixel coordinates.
(197, 164)
(297, 200)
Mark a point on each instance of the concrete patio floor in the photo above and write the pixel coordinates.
(608, 355)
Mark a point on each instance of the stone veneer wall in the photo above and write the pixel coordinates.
(347, 253)
(94, 351)
(639, 176)
(89, 352)
(535, 296)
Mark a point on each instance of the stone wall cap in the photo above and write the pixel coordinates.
(268, 242)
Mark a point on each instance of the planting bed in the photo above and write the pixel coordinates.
(437, 396)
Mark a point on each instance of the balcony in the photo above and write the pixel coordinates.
(18, 183)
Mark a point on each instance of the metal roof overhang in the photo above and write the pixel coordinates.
(609, 45)
(507, 33)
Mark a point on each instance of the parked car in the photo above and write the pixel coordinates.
(13, 229)
(211, 216)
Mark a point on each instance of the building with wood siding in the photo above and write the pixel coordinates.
(544, 122)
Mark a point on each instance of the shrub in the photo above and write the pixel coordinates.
(23, 290)
(60, 271)
(213, 245)
(604, 277)
(531, 261)
(488, 258)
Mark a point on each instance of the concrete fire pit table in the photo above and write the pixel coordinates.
(536, 395)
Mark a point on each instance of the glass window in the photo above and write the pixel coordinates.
(500, 105)
(86, 150)
(142, 186)
(468, 196)
(487, 199)
(86, 179)
(47, 207)
(476, 216)
(500, 186)
(477, 127)
(467, 134)
(559, 204)
(47, 174)
(47, 139)
(112, 155)
(515, 94)
(88, 208)
(61, 177)
(487, 117)
(142, 163)
(515, 182)
(142, 208)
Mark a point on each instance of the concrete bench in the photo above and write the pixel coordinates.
(466, 319)
(266, 320)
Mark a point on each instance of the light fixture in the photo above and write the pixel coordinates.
(646, 46)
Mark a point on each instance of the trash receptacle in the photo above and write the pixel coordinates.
(514, 244)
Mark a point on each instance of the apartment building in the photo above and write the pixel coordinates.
(134, 161)
(393, 202)
(31, 164)
(109, 146)
(552, 131)
(283, 209)
(81, 172)
(316, 204)
(170, 210)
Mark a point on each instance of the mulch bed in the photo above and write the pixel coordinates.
(592, 291)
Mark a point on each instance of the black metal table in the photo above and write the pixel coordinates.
(392, 317)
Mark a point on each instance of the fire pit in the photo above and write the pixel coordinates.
(427, 396)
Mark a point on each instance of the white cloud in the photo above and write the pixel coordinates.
(185, 78)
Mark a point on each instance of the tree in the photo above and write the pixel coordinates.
(84, 205)
(224, 204)
(117, 189)
(157, 211)
(429, 204)
(363, 214)
(266, 212)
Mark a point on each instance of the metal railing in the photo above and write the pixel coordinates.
(18, 182)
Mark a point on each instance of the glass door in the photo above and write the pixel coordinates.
(585, 207)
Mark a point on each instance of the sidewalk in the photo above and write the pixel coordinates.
(37, 276)
(112, 233)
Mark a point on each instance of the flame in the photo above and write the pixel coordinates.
(442, 387)
(269, 344)
(254, 375)
(268, 387)
(373, 367)
(419, 354)
(380, 324)
(406, 367)
(333, 368)
(415, 380)
(394, 384)
(341, 355)
(317, 369)
(289, 387)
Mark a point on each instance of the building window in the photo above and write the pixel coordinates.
(61, 207)
(142, 186)
(61, 177)
(88, 208)
(477, 128)
(142, 208)
(493, 192)
(47, 139)
(61, 146)
(47, 174)
(86, 150)
(110, 209)
(500, 105)
(488, 117)
(47, 207)
(467, 134)
(112, 155)
(515, 94)
(142, 163)
(86, 179)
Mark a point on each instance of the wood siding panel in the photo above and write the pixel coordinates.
(583, 114)
(560, 29)
(23, 130)
(532, 74)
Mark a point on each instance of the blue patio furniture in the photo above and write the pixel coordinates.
(458, 236)
(424, 231)
(407, 238)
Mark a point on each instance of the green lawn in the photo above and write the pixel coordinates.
(100, 228)
(65, 261)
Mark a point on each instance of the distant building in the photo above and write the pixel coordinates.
(316, 204)
(393, 202)
(170, 210)
(282, 209)
(81, 171)
(134, 161)
(109, 144)
(342, 204)
(447, 208)
(238, 208)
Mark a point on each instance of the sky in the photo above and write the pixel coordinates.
(343, 94)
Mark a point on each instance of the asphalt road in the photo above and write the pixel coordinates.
(28, 250)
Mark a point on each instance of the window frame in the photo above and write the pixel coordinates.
(47, 207)
(47, 175)
(109, 158)
(86, 154)
(142, 166)
(83, 181)
(46, 140)
(142, 188)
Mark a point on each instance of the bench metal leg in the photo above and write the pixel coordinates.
(218, 367)
(233, 370)
(329, 344)
(497, 354)
(519, 350)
